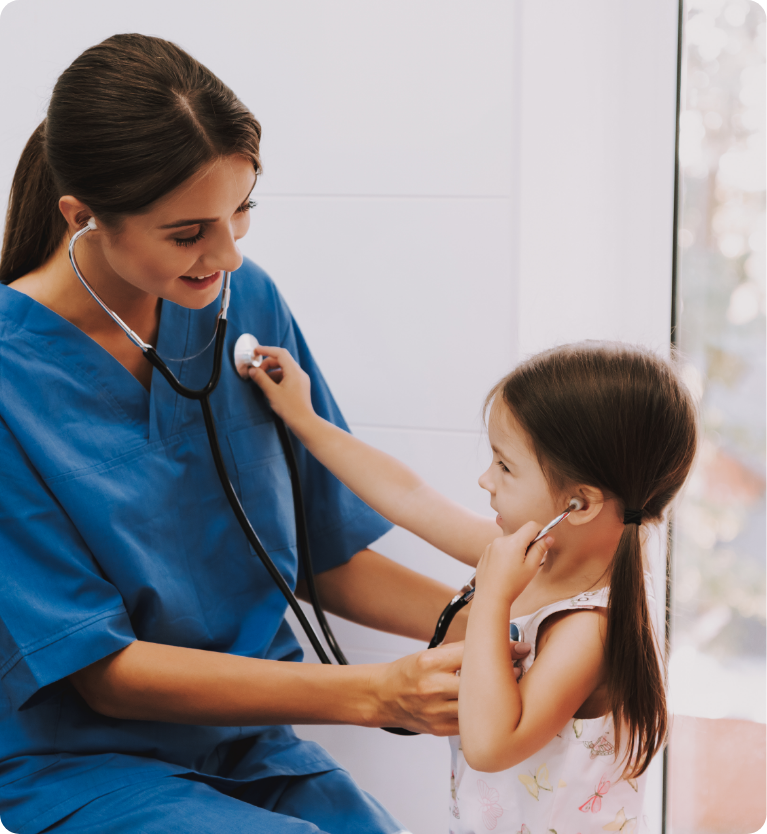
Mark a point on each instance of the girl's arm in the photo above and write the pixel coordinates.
(502, 722)
(381, 481)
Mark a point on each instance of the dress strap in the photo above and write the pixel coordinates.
(526, 627)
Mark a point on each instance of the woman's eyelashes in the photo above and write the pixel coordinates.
(189, 241)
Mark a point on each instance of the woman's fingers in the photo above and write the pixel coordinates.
(519, 651)
(420, 691)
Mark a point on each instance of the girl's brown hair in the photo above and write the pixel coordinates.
(129, 120)
(616, 417)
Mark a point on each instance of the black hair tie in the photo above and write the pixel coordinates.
(632, 516)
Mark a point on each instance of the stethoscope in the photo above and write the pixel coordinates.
(245, 355)
(466, 594)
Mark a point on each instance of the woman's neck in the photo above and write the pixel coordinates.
(55, 285)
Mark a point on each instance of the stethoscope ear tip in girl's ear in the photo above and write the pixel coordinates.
(576, 504)
(91, 224)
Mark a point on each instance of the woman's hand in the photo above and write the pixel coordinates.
(285, 384)
(505, 570)
(420, 691)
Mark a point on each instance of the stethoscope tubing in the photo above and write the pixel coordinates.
(466, 594)
(202, 395)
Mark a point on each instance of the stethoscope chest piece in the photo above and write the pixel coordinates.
(246, 354)
(515, 633)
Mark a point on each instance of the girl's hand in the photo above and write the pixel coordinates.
(286, 385)
(504, 570)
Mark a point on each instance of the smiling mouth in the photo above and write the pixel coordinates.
(201, 282)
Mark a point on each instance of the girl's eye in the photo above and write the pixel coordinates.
(189, 241)
(503, 466)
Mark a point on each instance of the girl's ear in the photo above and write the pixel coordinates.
(592, 501)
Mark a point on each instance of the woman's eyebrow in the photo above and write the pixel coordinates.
(178, 223)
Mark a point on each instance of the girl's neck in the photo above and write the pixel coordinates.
(579, 561)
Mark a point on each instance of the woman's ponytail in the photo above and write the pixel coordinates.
(635, 680)
(34, 226)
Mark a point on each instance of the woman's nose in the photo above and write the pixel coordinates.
(224, 253)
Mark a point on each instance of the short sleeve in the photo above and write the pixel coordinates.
(339, 523)
(58, 613)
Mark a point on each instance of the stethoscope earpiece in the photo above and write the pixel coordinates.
(91, 224)
(465, 595)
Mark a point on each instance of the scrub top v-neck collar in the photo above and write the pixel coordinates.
(152, 412)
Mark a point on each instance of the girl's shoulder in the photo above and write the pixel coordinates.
(527, 628)
(528, 624)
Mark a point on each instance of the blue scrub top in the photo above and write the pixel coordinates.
(114, 527)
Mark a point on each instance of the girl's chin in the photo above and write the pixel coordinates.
(504, 527)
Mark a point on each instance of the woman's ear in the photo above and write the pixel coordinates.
(591, 500)
(75, 212)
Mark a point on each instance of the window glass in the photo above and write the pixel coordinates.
(717, 660)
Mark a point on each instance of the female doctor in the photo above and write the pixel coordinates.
(142, 645)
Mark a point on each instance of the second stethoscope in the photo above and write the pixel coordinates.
(245, 354)
(466, 594)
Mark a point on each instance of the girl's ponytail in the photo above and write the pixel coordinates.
(34, 226)
(635, 680)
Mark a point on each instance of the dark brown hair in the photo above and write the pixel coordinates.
(616, 417)
(129, 120)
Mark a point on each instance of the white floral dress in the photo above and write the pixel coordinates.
(571, 786)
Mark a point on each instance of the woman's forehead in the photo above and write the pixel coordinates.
(211, 190)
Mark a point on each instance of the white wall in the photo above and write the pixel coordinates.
(449, 185)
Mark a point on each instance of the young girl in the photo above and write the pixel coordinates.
(566, 748)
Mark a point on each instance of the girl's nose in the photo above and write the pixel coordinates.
(484, 480)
